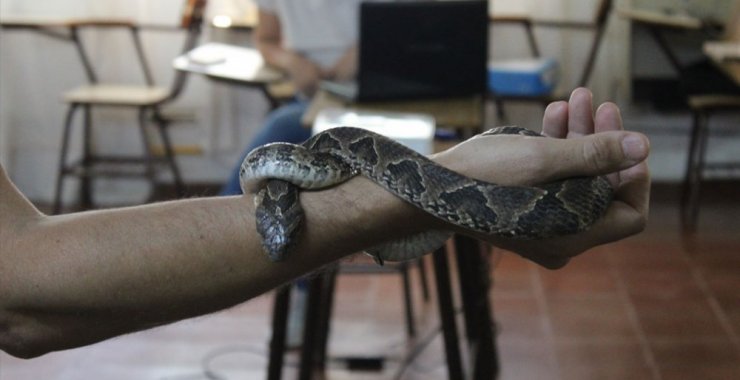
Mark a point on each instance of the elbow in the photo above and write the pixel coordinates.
(23, 351)
(17, 338)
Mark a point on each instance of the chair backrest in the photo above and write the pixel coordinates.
(192, 21)
(600, 22)
(597, 25)
(732, 27)
(192, 13)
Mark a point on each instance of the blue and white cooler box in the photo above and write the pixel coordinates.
(522, 77)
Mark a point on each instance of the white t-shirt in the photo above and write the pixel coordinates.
(321, 30)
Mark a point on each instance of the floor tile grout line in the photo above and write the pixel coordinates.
(717, 310)
(647, 351)
(546, 322)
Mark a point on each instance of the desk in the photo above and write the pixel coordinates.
(657, 22)
(236, 65)
(726, 55)
(50, 26)
(239, 65)
(46, 23)
(651, 17)
(466, 113)
(246, 22)
(68, 29)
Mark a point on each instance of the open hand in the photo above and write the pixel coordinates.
(582, 144)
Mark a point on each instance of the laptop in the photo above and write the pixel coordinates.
(419, 49)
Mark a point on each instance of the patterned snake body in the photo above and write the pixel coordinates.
(275, 171)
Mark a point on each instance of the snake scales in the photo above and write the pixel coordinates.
(276, 172)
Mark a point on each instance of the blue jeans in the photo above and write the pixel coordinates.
(281, 125)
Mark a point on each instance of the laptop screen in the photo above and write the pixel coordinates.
(422, 49)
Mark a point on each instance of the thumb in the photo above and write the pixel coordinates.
(597, 154)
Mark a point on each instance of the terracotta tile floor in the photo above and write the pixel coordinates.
(655, 306)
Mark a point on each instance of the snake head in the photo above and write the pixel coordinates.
(279, 218)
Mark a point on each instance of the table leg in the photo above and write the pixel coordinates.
(474, 275)
(280, 310)
(447, 315)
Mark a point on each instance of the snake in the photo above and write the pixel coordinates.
(276, 173)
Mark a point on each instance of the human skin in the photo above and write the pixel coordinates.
(303, 73)
(76, 279)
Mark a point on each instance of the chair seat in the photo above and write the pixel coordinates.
(117, 95)
(714, 101)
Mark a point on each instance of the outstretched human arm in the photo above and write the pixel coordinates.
(76, 279)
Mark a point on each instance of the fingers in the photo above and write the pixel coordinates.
(589, 144)
(555, 120)
(575, 118)
(580, 113)
(595, 154)
(634, 188)
(607, 118)
(620, 221)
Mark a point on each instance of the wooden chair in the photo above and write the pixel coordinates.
(719, 92)
(147, 99)
(597, 26)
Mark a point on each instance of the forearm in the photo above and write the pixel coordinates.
(130, 269)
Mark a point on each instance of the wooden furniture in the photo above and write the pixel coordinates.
(237, 65)
(465, 113)
(474, 283)
(725, 55)
(146, 99)
(472, 264)
(244, 22)
(68, 29)
(657, 23)
(597, 27)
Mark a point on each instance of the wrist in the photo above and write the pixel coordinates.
(361, 215)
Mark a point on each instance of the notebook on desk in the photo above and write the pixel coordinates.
(418, 49)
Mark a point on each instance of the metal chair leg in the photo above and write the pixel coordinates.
(474, 277)
(324, 327)
(694, 171)
(85, 197)
(162, 126)
(146, 142)
(407, 300)
(447, 315)
(307, 368)
(423, 278)
(280, 310)
(62, 165)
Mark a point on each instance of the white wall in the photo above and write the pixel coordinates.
(35, 70)
(610, 79)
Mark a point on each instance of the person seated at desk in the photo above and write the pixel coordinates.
(76, 279)
(311, 41)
